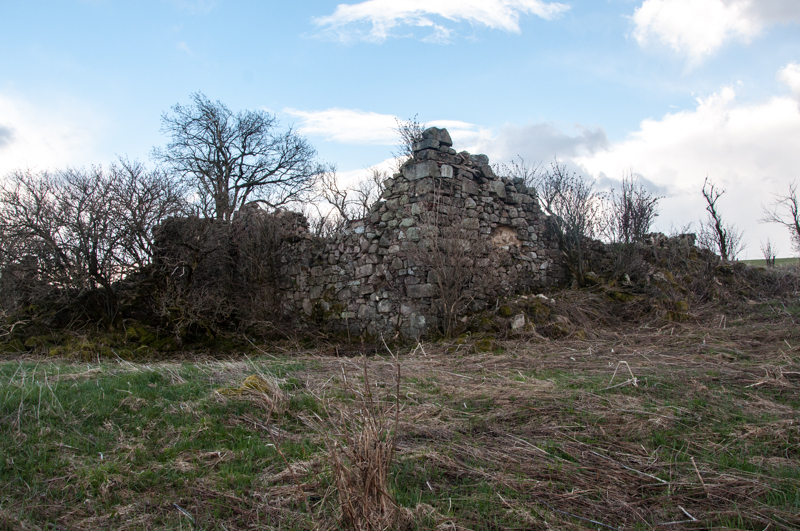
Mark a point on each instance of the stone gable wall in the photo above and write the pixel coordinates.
(370, 278)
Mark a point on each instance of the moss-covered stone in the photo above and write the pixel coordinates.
(678, 317)
(37, 342)
(592, 279)
(13, 346)
(620, 296)
(538, 312)
(505, 311)
(165, 344)
(56, 351)
(554, 330)
(487, 344)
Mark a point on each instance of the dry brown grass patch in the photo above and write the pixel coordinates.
(361, 445)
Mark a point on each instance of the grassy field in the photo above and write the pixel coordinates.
(779, 262)
(681, 426)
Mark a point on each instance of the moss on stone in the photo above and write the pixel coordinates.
(620, 296)
(487, 344)
(538, 312)
(678, 317)
(13, 346)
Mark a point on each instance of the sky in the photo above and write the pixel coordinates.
(669, 90)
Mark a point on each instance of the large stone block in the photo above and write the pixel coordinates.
(440, 135)
(498, 188)
(468, 186)
(487, 171)
(516, 198)
(365, 270)
(424, 186)
(420, 170)
(366, 311)
(425, 143)
(419, 291)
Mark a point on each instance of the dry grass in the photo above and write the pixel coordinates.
(360, 440)
(537, 434)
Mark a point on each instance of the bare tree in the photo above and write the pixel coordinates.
(770, 253)
(576, 213)
(79, 230)
(233, 159)
(632, 211)
(350, 203)
(786, 211)
(715, 234)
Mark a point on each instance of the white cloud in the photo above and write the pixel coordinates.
(790, 75)
(353, 126)
(348, 126)
(748, 149)
(539, 143)
(698, 28)
(41, 138)
(375, 20)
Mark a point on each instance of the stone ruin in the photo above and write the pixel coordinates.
(379, 276)
(444, 217)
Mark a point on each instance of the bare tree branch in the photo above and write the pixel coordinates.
(786, 211)
(715, 234)
(78, 230)
(576, 213)
(632, 211)
(233, 159)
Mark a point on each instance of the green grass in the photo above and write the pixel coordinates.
(110, 434)
(539, 433)
(779, 262)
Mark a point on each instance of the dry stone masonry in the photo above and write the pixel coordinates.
(380, 275)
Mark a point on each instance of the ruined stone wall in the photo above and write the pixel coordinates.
(377, 278)
(444, 216)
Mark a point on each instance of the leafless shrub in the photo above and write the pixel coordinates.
(79, 231)
(715, 234)
(786, 211)
(195, 260)
(454, 255)
(410, 132)
(631, 212)
(529, 173)
(222, 274)
(361, 446)
(348, 204)
(770, 252)
(576, 213)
